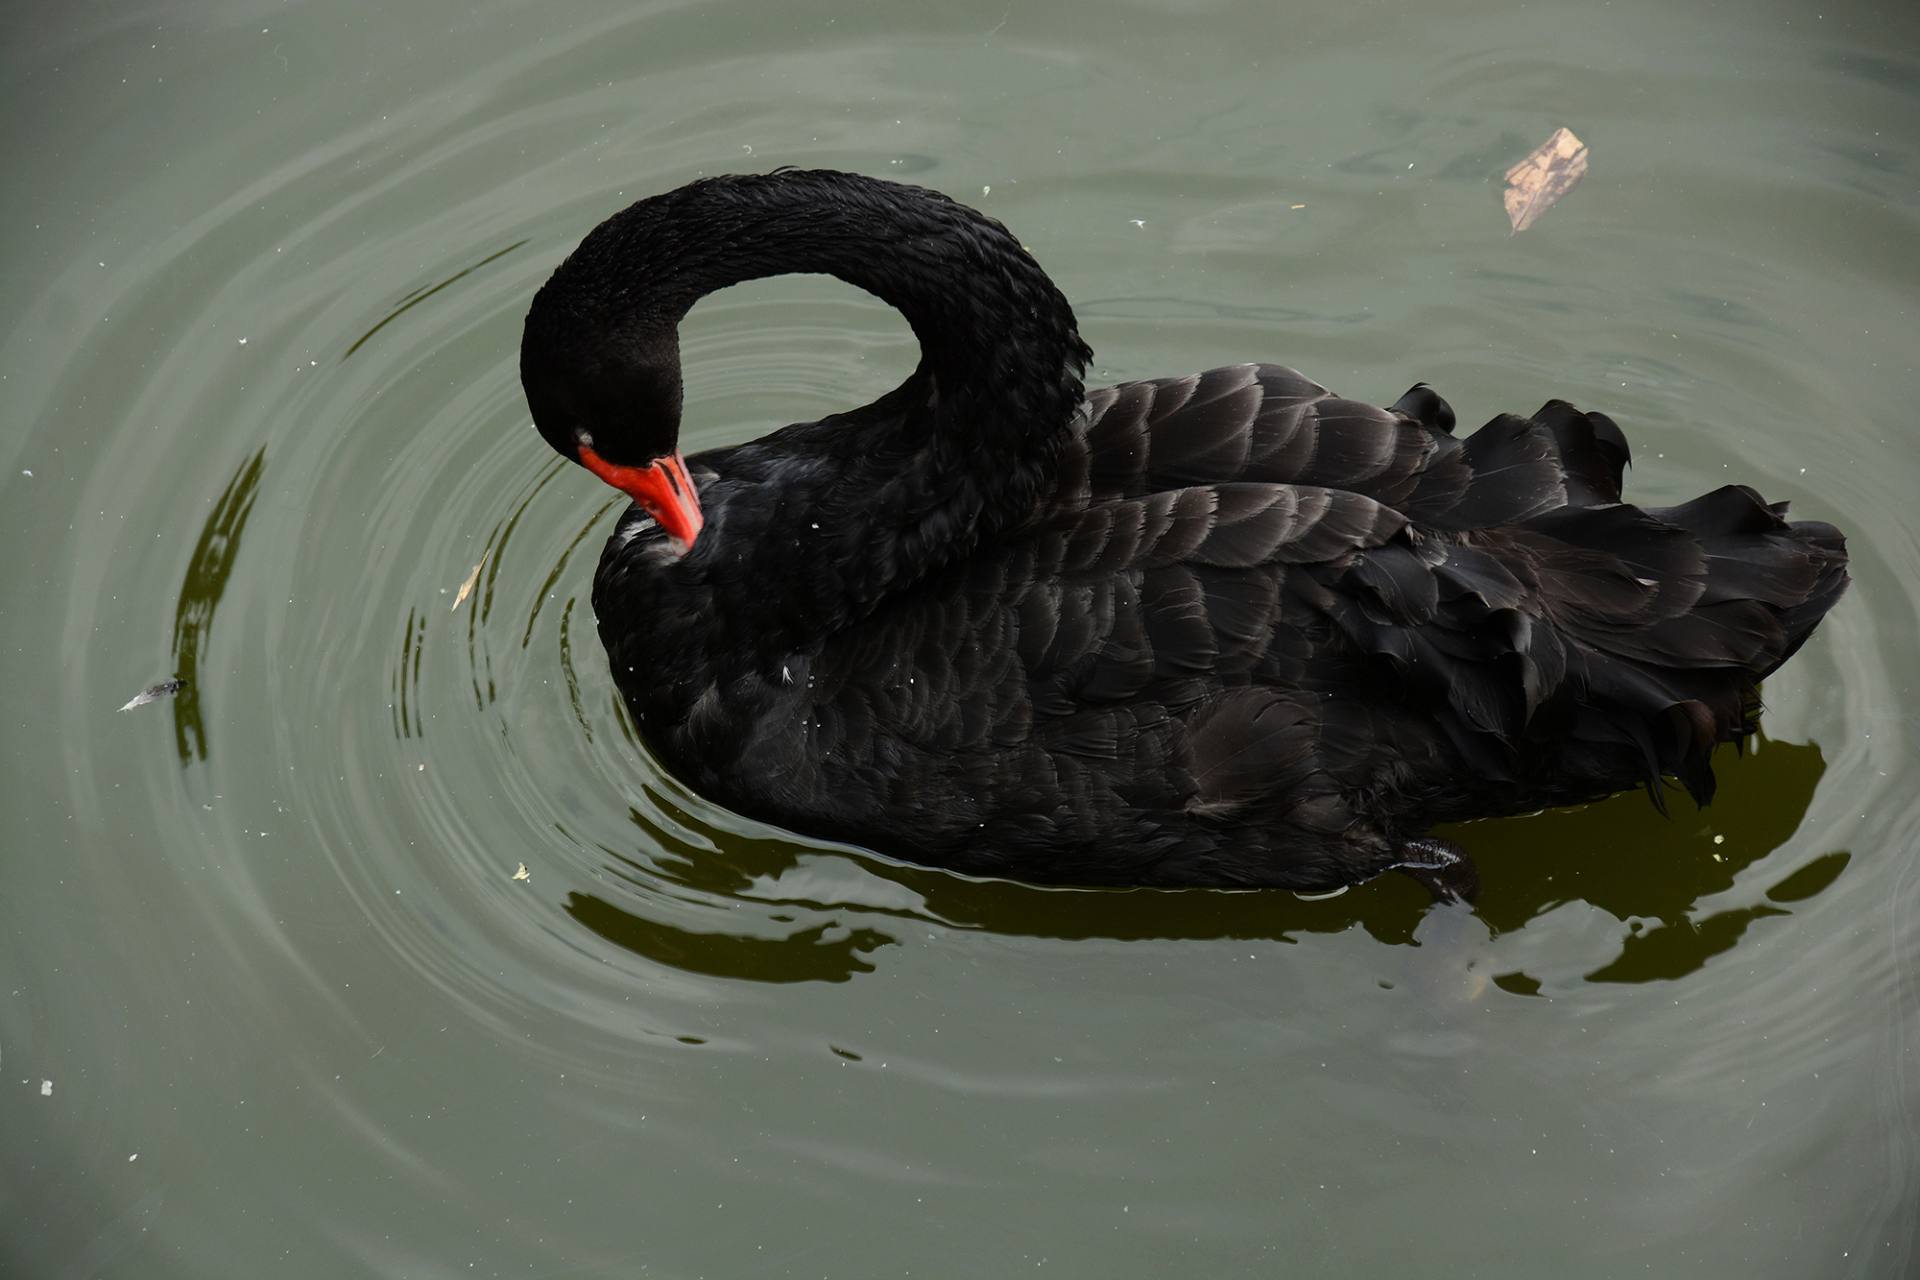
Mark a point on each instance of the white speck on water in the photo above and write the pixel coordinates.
(786, 674)
(1719, 839)
(1138, 222)
(46, 1088)
(26, 473)
(986, 191)
(133, 1157)
(243, 342)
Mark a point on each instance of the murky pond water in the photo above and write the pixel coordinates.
(274, 1001)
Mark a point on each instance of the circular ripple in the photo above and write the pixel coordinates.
(362, 760)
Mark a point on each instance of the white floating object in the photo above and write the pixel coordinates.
(466, 588)
(153, 693)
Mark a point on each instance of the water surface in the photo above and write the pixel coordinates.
(273, 1001)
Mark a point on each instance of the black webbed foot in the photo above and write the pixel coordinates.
(1444, 869)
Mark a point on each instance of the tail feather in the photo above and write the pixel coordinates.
(1683, 675)
(1826, 546)
(1573, 643)
(1666, 619)
(1755, 558)
(1520, 468)
(1592, 449)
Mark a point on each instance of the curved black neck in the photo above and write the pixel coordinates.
(991, 324)
(964, 449)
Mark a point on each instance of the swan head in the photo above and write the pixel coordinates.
(607, 397)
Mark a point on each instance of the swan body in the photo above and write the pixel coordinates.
(1223, 629)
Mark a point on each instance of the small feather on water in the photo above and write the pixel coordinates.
(1549, 172)
(522, 873)
(154, 692)
(466, 588)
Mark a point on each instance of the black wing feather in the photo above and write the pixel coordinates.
(1262, 633)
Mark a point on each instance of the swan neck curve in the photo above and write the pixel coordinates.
(998, 341)
(883, 495)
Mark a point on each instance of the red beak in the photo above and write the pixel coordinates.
(664, 488)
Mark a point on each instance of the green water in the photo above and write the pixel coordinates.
(271, 1001)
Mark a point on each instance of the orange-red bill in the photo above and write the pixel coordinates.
(663, 487)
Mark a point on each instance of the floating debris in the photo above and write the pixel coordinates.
(522, 873)
(466, 588)
(46, 1088)
(1536, 183)
(154, 692)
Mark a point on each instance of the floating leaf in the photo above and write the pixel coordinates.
(154, 692)
(466, 588)
(1543, 177)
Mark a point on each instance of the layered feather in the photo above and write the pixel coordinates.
(1222, 629)
(1256, 634)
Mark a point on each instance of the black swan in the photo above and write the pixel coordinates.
(1227, 629)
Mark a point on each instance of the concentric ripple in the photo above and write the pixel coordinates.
(384, 947)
